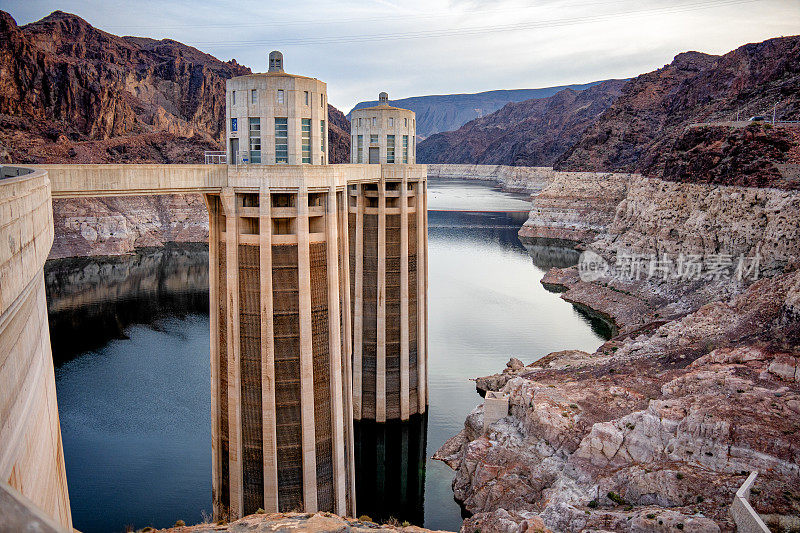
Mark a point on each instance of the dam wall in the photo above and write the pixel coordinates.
(31, 455)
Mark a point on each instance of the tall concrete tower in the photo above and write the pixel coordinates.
(281, 382)
(388, 261)
(276, 118)
(383, 134)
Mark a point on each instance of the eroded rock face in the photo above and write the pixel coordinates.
(576, 207)
(299, 522)
(653, 430)
(515, 179)
(117, 225)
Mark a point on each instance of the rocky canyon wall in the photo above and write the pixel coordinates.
(118, 225)
(513, 179)
(575, 208)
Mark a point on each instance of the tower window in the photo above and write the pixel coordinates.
(405, 122)
(305, 127)
(405, 148)
(390, 148)
(307, 97)
(280, 96)
(391, 122)
(360, 149)
(281, 140)
(233, 97)
(374, 122)
(254, 96)
(322, 134)
(255, 140)
(234, 125)
(373, 138)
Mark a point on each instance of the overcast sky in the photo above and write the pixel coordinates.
(419, 47)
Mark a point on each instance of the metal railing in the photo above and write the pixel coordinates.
(216, 157)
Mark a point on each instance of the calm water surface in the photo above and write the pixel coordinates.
(130, 340)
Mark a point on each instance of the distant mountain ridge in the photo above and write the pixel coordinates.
(644, 124)
(534, 132)
(446, 112)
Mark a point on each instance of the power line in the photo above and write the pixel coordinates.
(478, 30)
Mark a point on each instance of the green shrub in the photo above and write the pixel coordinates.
(651, 516)
(592, 504)
(365, 518)
(679, 475)
(616, 498)
(179, 523)
(679, 526)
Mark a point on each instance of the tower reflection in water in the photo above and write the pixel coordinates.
(390, 469)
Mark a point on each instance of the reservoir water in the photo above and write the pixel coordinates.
(131, 346)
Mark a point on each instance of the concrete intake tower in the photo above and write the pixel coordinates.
(316, 277)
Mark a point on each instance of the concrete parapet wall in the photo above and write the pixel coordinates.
(31, 456)
(69, 181)
(745, 517)
(26, 232)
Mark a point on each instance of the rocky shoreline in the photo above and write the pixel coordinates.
(658, 428)
(300, 523)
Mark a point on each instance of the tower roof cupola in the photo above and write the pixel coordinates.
(275, 61)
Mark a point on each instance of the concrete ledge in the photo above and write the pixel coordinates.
(746, 518)
(18, 513)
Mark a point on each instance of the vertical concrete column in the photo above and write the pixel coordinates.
(213, 321)
(270, 445)
(308, 444)
(422, 290)
(335, 351)
(424, 184)
(380, 348)
(344, 240)
(228, 198)
(404, 323)
(358, 307)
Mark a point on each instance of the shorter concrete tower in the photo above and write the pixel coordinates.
(276, 118)
(383, 134)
